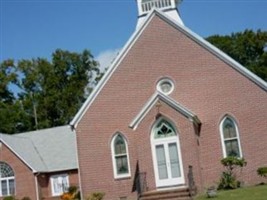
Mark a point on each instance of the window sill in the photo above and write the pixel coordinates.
(118, 178)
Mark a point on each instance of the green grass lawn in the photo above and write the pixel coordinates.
(246, 193)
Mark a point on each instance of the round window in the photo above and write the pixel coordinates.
(165, 86)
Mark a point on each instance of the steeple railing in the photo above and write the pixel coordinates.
(148, 5)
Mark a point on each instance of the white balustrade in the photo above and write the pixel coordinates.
(147, 6)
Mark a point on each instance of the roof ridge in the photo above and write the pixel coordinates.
(38, 153)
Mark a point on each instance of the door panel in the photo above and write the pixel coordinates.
(161, 162)
(174, 161)
(167, 164)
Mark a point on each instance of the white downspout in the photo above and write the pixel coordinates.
(36, 186)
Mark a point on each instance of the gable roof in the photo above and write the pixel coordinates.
(46, 150)
(158, 96)
(198, 39)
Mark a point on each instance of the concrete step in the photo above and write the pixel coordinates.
(170, 194)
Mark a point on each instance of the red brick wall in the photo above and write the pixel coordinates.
(203, 83)
(24, 178)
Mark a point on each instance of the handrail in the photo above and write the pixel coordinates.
(141, 184)
(191, 182)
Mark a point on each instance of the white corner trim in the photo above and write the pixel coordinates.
(170, 102)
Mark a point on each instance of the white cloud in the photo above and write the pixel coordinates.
(106, 57)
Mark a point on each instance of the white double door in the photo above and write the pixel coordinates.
(167, 162)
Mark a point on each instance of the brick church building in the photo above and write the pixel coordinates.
(170, 105)
(169, 108)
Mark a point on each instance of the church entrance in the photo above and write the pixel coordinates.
(166, 153)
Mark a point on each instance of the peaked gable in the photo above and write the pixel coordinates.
(186, 32)
(46, 150)
(157, 97)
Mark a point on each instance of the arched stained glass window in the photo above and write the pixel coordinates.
(164, 129)
(120, 156)
(7, 180)
(230, 137)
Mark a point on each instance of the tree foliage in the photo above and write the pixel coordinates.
(249, 48)
(47, 93)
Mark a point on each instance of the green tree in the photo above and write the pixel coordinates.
(8, 76)
(50, 92)
(247, 47)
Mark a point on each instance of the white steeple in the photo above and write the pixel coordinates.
(167, 6)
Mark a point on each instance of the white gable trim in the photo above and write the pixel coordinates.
(21, 158)
(109, 73)
(158, 96)
(215, 51)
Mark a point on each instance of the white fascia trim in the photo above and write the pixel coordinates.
(170, 102)
(21, 158)
(110, 71)
(214, 50)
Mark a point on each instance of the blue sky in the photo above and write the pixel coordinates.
(35, 28)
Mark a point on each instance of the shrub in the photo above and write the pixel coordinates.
(262, 171)
(228, 178)
(96, 196)
(9, 198)
(72, 194)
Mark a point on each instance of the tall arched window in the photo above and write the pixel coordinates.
(7, 180)
(120, 156)
(230, 137)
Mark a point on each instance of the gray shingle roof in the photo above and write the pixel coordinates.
(46, 150)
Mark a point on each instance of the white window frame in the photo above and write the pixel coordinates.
(165, 80)
(237, 136)
(59, 178)
(116, 175)
(7, 179)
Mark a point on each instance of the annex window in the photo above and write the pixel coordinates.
(7, 180)
(230, 138)
(59, 184)
(120, 156)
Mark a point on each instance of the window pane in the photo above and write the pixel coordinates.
(120, 147)
(232, 148)
(11, 186)
(229, 130)
(65, 184)
(60, 184)
(56, 185)
(4, 187)
(5, 170)
(174, 160)
(122, 164)
(161, 161)
(164, 129)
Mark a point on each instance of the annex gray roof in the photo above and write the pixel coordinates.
(46, 150)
